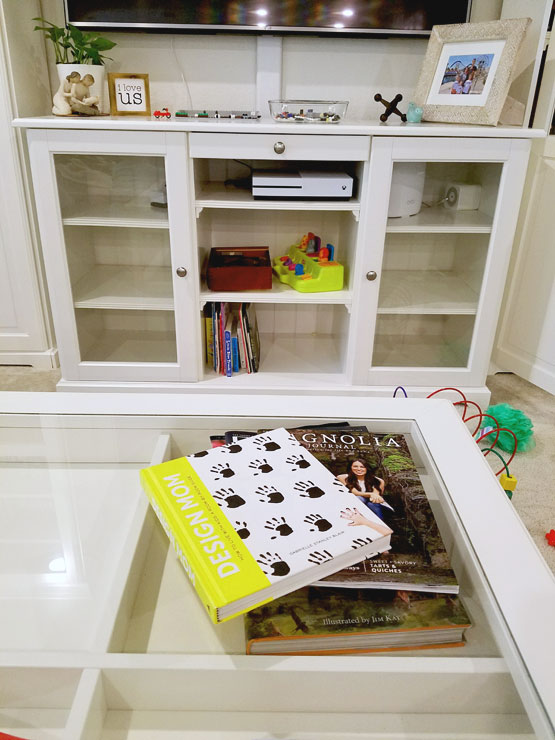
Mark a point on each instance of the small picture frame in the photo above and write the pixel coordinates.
(129, 94)
(468, 69)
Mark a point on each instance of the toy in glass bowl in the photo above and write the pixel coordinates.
(308, 111)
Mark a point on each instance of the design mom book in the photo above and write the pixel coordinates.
(257, 519)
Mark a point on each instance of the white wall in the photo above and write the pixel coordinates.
(26, 49)
(219, 71)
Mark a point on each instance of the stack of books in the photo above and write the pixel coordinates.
(232, 341)
(322, 537)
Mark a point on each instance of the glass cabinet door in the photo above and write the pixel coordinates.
(115, 220)
(440, 235)
(435, 252)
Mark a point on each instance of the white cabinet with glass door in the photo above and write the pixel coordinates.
(123, 285)
(428, 294)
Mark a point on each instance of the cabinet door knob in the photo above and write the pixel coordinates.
(279, 147)
(371, 275)
(181, 271)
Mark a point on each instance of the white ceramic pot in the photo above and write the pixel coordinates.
(98, 71)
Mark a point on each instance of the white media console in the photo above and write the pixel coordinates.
(421, 297)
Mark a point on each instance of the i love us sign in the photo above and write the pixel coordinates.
(129, 94)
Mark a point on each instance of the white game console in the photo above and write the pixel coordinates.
(302, 184)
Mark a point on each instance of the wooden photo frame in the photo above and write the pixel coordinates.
(129, 94)
(468, 69)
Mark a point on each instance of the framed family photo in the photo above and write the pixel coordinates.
(468, 69)
(129, 94)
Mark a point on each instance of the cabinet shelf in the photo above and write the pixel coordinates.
(280, 292)
(417, 351)
(286, 355)
(217, 195)
(130, 287)
(441, 220)
(129, 346)
(111, 212)
(426, 292)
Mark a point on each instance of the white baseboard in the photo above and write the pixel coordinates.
(537, 372)
(47, 360)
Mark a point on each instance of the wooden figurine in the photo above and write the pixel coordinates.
(73, 97)
(61, 106)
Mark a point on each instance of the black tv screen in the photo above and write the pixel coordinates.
(400, 17)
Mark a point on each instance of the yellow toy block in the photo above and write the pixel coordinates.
(508, 482)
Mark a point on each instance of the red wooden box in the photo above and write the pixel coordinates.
(239, 268)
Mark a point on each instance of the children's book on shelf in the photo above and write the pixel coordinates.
(232, 341)
(417, 559)
(257, 519)
(208, 334)
(228, 352)
(319, 621)
(235, 358)
(250, 324)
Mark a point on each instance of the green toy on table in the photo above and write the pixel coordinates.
(308, 267)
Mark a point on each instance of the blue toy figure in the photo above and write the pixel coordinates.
(414, 113)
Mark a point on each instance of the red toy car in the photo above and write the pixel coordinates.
(164, 113)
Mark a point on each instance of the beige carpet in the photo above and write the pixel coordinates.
(16, 378)
(534, 498)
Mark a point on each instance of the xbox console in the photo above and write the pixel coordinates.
(301, 184)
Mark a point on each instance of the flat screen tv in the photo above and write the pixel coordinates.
(356, 17)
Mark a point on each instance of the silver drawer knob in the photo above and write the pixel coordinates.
(371, 275)
(181, 271)
(279, 147)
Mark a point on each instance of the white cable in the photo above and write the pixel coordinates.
(185, 83)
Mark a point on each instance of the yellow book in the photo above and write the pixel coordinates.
(258, 519)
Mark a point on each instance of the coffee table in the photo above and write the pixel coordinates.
(103, 638)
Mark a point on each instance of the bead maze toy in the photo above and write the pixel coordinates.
(309, 267)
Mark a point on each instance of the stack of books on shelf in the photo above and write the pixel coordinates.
(323, 537)
(232, 341)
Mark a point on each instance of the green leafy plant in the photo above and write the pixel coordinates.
(71, 45)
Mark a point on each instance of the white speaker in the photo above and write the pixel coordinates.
(407, 186)
(460, 196)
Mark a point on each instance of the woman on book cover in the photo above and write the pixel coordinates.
(362, 481)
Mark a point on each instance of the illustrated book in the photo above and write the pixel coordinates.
(417, 559)
(319, 621)
(257, 519)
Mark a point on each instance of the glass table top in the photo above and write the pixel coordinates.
(87, 577)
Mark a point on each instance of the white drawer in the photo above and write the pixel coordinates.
(324, 147)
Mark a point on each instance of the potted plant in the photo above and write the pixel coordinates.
(78, 51)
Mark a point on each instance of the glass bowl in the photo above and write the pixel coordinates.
(308, 111)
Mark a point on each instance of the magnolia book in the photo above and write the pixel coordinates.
(417, 559)
(257, 519)
(319, 621)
